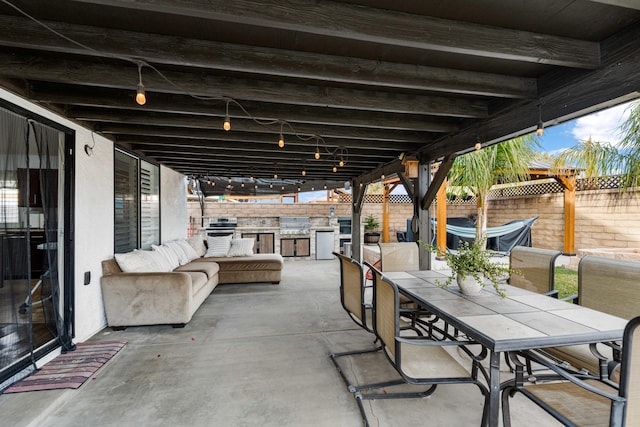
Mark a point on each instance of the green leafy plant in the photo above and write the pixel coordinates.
(472, 260)
(371, 223)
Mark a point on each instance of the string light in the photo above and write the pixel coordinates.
(335, 169)
(275, 175)
(304, 172)
(341, 162)
(141, 98)
(227, 120)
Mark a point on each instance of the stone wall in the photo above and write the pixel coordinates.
(604, 218)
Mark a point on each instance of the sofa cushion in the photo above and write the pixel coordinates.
(177, 249)
(241, 247)
(198, 281)
(188, 250)
(163, 264)
(197, 243)
(208, 268)
(170, 255)
(137, 262)
(273, 262)
(218, 246)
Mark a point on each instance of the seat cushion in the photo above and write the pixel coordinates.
(429, 362)
(208, 268)
(257, 262)
(198, 280)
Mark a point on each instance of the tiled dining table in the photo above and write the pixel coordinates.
(522, 320)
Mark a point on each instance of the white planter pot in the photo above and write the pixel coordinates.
(469, 285)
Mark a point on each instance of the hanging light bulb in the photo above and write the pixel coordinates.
(313, 188)
(540, 127)
(478, 146)
(341, 163)
(275, 175)
(335, 169)
(304, 172)
(281, 140)
(229, 180)
(298, 189)
(382, 177)
(141, 98)
(325, 186)
(317, 155)
(227, 120)
(283, 187)
(271, 185)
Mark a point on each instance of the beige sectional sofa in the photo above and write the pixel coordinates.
(171, 297)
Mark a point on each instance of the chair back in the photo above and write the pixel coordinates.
(609, 285)
(630, 372)
(385, 311)
(535, 267)
(352, 290)
(400, 256)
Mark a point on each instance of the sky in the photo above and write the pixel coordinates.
(602, 126)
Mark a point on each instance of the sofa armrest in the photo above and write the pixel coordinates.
(147, 298)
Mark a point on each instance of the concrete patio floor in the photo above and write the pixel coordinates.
(253, 355)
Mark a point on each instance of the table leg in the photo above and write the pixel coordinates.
(493, 416)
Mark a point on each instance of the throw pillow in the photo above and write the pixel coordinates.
(241, 247)
(175, 247)
(169, 255)
(218, 246)
(188, 250)
(163, 264)
(136, 262)
(197, 243)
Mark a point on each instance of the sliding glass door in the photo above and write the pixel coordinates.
(32, 203)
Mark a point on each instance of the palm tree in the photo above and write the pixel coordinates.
(478, 171)
(601, 158)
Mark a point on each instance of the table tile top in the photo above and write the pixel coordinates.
(500, 327)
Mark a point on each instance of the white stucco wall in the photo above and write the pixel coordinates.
(173, 205)
(94, 221)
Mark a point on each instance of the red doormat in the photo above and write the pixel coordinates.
(70, 370)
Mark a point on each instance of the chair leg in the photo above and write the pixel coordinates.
(334, 356)
(408, 395)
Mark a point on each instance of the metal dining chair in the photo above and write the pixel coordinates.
(577, 399)
(418, 360)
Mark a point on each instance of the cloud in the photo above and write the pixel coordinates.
(603, 126)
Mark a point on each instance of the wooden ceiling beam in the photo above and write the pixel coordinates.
(565, 98)
(75, 98)
(109, 43)
(137, 123)
(84, 73)
(392, 28)
(225, 138)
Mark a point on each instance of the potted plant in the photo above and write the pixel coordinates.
(371, 224)
(472, 267)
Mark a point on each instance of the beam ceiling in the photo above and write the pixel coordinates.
(361, 81)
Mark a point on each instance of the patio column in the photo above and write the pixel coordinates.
(385, 212)
(441, 217)
(569, 184)
(424, 216)
(357, 201)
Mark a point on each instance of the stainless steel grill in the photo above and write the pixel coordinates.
(295, 225)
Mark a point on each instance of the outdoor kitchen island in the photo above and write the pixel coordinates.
(293, 237)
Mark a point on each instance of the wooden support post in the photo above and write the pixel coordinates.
(441, 217)
(358, 193)
(385, 212)
(569, 184)
(424, 231)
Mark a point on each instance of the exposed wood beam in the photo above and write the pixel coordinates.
(566, 97)
(170, 103)
(386, 27)
(207, 85)
(629, 4)
(140, 123)
(436, 182)
(221, 137)
(23, 33)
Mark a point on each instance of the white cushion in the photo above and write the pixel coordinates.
(188, 250)
(197, 243)
(161, 260)
(137, 262)
(218, 246)
(241, 247)
(170, 255)
(174, 246)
